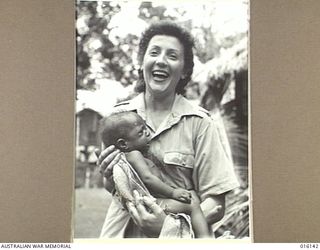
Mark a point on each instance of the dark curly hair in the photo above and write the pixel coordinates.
(169, 29)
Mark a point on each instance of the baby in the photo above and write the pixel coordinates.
(128, 132)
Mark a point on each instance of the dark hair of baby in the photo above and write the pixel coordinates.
(115, 126)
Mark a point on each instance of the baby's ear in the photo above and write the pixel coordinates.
(122, 144)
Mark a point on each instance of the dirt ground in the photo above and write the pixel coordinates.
(91, 205)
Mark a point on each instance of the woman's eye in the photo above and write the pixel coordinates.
(173, 56)
(153, 53)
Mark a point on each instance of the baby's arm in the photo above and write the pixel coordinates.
(198, 220)
(137, 161)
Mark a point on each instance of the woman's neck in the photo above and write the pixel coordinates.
(159, 103)
(158, 108)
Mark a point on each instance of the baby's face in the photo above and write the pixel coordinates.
(139, 136)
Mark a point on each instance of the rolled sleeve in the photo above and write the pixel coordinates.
(213, 171)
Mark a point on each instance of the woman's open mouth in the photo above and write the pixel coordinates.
(159, 75)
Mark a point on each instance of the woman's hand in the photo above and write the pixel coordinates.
(147, 214)
(107, 159)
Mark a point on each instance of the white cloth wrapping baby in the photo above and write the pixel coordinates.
(126, 180)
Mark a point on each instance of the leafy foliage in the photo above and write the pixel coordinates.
(94, 46)
(236, 219)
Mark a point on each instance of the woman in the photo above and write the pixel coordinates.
(184, 137)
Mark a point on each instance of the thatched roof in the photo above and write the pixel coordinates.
(229, 60)
(102, 100)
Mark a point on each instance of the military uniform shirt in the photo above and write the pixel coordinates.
(188, 151)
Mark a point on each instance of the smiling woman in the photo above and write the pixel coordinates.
(181, 50)
(185, 148)
(163, 65)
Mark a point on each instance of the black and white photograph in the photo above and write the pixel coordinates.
(180, 168)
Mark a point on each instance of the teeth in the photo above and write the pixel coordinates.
(160, 73)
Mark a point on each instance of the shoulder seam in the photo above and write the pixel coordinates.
(121, 103)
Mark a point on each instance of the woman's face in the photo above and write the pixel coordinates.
(163, 65)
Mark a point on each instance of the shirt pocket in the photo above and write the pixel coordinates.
(179, 159)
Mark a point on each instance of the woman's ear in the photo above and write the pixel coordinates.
(122, 144)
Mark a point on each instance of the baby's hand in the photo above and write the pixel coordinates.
(181, 195)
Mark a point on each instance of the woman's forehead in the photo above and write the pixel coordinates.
(167, 41)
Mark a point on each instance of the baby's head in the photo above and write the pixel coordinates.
(126, 130)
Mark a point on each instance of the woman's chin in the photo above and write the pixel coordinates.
(157, 90)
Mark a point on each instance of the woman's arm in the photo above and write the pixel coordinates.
(213, 208)
(213, 174)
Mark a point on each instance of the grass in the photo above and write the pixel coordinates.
(91, 205)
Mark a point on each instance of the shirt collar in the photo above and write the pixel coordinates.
(181, 107)
(138, 104)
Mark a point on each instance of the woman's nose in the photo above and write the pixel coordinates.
(161, 60)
